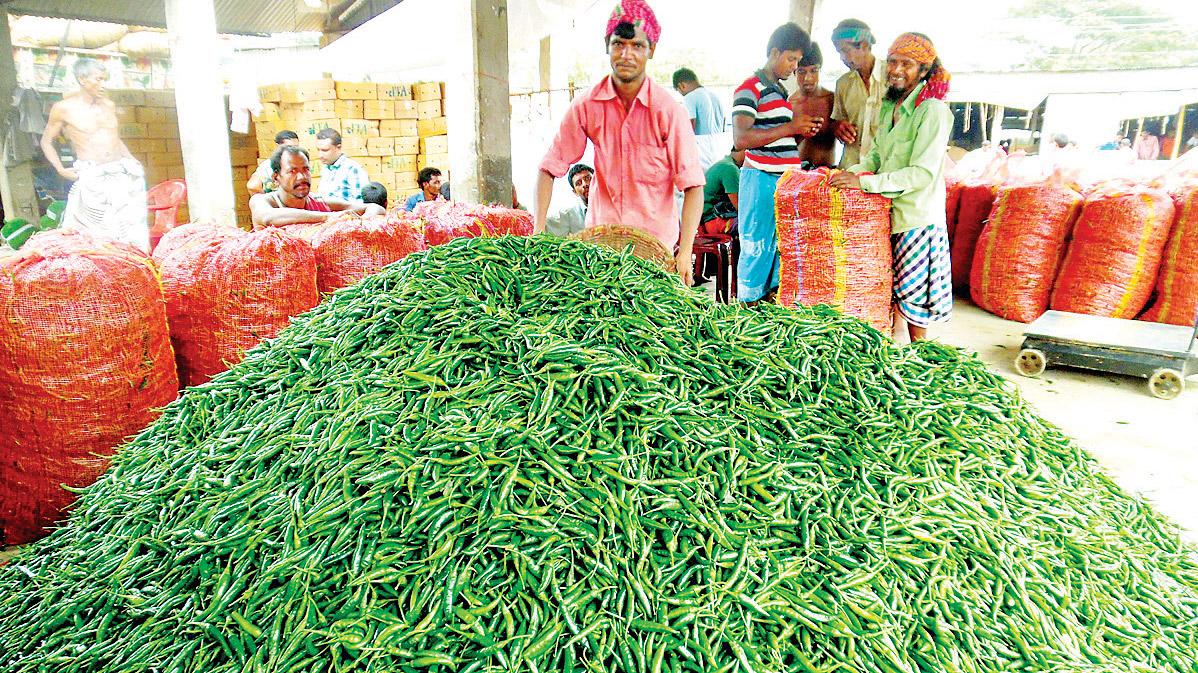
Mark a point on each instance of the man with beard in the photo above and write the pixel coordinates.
(858, 91)
(291, 203)
(644, 144)
(815, 101)
(907, 162)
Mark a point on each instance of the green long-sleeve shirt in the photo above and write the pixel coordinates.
(907, 159)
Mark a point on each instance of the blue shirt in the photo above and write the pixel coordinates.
(705, 108)
(343, 180)
(413, 200)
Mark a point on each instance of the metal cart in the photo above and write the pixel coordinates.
(1163, 354)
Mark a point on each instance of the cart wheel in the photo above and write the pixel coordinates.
(1030, 362)
(1166, 384)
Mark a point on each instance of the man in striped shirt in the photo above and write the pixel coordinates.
(765, 127)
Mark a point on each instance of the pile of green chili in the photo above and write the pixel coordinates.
(537, 455)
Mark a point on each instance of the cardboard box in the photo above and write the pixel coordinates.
(153, 145)
(405, 183)
(162, 130)
(357, 90)
(271, 93)
(270, 113)
(426, 91)
(126, 114)
(240, 140)
(313, 109)
(359, 127)
(351, 109)
(438, 160)
(172, 145)
(380, 147)
(434, 145)
(396, 128)
(428, 109)
(267, 129)
(150, 115)
(437, 126)
(409, 145)
(308, 130)
(355, 145)
(378, 109)
(373, 165)
(158, 98)
(393, 91)
(266, 147)
(133, 130)
(243, 156)
(161, 159)
(312, 90)
(400, 164)
(405, 109)
(127, 97)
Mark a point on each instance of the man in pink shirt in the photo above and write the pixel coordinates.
(644, 144)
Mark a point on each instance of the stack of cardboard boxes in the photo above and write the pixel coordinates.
(392, 130)
(149, 126)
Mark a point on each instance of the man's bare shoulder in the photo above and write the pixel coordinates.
(263, 199)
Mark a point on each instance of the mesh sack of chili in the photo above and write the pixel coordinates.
(85, 362)
(500, 221)
(1111, 264)
(446, 220)
(952, 203)
(835, 247)
(1020, 249)
(228, 289)
(349, 249)
(1177, 284)
(976, 200)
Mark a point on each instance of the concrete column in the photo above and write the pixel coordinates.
(996, 123)
(199, 98)
(16, 182)
(803, 12)
(477, 95)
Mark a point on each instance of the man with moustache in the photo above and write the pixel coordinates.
(907, 162)
(858, 92)
(292, 203)
(644, 144)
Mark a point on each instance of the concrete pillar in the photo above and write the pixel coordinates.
(199, 98)
(803, 12)
(16, 182)
(996, 123)
(477, 95)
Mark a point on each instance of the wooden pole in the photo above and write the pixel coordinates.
(1179, 136)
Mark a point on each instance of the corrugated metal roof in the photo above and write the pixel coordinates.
(232, 16)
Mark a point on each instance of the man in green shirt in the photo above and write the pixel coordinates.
(720, 195)
(907, 162)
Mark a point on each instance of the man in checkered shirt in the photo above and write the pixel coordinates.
(342, 177)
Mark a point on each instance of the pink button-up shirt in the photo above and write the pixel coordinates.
(641, 157)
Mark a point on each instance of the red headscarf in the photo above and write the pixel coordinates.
(638, 14)
(919, 48)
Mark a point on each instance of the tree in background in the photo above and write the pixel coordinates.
(1104, 34)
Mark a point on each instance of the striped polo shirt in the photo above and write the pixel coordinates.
(764, 99)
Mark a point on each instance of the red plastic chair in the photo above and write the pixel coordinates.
(163, 201)
(726, 251)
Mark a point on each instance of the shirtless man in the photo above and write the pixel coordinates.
(108, 198)
(813, 100)
(292, 203)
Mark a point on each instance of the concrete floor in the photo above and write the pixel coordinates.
(1149, 446)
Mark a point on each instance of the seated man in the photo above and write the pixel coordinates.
(720, 194)
(261, 181)
(429, 182)
(375, 193)
(291, 203)
(573, 219)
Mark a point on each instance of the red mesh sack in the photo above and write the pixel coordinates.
(1116, 250)
(499, 221)
(85, 363)
(1020, 248)
(835, 247)
(447, 220)
(228, 289)
(1177, 285)
(976, 200)
(350, 249)
(952, 203)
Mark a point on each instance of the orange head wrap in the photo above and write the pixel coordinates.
(920, 49)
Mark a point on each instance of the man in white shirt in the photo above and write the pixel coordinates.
(573, 219)
(859, 91)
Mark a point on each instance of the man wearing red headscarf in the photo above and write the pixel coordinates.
(644, 144)
(907, 166)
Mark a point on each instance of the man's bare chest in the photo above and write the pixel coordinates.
(91, 118)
